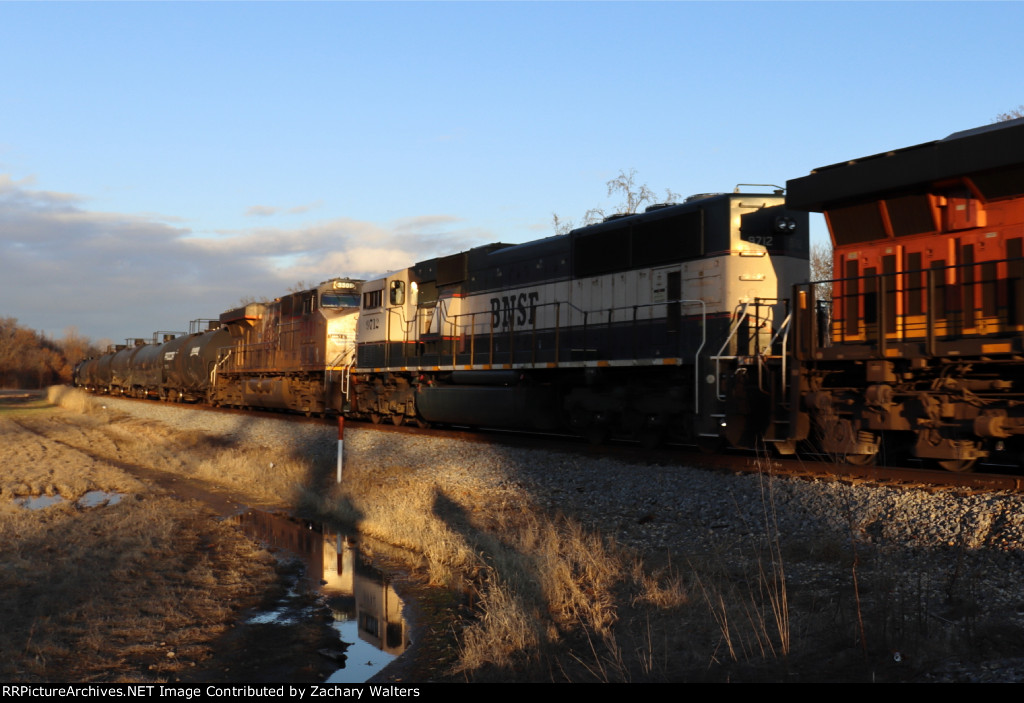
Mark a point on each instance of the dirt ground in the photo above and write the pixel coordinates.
(149, 584)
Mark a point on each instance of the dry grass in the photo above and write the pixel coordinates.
(549, 599)
(547, 592)
(137, 591)
(263, 474)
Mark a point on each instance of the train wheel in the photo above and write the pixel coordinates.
(397, 420)
(957, 465)
(422, 424)
(375, 418)
(861, 459)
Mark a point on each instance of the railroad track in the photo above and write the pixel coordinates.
(807, 467)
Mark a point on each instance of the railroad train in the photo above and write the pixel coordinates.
(694, 322)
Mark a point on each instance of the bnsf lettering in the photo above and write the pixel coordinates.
(518, 310)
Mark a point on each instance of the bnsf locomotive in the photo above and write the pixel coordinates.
(693, 322)
(920, 349)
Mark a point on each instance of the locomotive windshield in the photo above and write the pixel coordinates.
(339, 300)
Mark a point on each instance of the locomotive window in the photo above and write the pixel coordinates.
(339, 300)
(856, 223)
(397, 294)
(373, 299)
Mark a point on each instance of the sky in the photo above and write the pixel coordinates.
(160, 161)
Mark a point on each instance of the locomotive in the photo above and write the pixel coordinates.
(919, 349)
(694, 322)
(628, 327)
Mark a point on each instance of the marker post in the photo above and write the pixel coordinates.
(341, 444)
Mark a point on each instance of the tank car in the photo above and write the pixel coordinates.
(293, 353)
(919, 348)
(629, 327)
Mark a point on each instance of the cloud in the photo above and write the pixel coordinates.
(121, 275)
(300, 209)
(261, 211)
(270, 210)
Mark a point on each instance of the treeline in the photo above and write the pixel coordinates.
(32, 360)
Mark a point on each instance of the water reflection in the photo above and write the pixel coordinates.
(366, 609)
(92, 499)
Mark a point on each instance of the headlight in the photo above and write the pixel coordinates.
(785, 224)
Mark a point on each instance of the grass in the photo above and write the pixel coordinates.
(105, 594)
(545, 596)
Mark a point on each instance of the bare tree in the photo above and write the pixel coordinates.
(821, 269)
(30, 359)
(634, 196)
(300, 286)
(561, 226)
(1010, 115)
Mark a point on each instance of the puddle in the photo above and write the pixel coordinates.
(366, 610)
(39, 502)
(92, 499)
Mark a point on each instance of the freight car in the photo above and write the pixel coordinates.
(293, 353)
(919, 350)
(631, 327)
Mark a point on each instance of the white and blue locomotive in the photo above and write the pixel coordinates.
(637, 326)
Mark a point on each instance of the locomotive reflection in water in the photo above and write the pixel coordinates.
(692, 322)
(366, 609)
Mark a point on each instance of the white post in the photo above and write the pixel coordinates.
(341, 443)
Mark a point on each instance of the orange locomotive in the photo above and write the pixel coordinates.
(920, 348)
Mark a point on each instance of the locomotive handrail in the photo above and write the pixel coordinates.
(717, 358)
(783, 330)
(923, 306)
(217, 364)
(466, 324)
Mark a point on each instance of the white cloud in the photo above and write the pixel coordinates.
(119, 275)
(271, 210)
(261, 211)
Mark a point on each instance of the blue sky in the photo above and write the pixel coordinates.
(159, 161)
